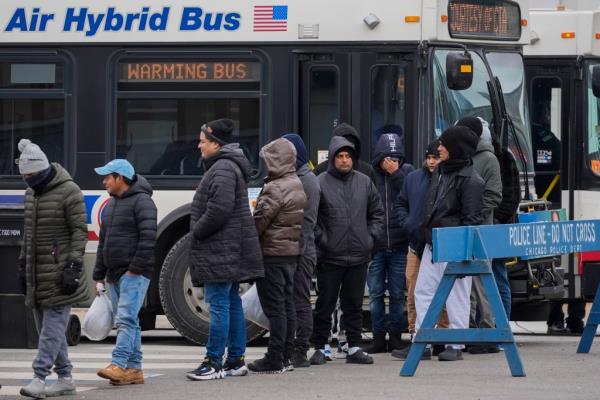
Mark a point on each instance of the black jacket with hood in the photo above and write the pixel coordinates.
(224, 241)
(389, 186)
(350, 214)
(128, 234)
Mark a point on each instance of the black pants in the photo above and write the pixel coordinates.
(575, 311)
(276, 294)
(349, 284)
(304, 317)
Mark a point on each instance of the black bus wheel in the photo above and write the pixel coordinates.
(73, 332)
(184, 304)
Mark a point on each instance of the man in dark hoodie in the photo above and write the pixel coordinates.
(224, 248)
(349, 221)
(308, 254)
(125, 259)
(387, 271)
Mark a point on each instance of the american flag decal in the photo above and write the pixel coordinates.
(270, 18)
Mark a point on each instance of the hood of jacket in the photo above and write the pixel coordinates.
(280, 158)
(233, 152)
(349, 132)
(141, 185)
(335, 145)
(388, 145)
(483, 146)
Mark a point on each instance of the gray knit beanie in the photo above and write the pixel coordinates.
(32, 158)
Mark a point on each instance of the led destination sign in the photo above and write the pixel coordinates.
(491, 20)
(189, 71)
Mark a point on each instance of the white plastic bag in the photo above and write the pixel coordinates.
(252, 309)
(99, 319)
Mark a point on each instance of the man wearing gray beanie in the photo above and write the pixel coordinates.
(51, 265)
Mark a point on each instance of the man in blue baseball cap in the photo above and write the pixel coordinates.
(125, 260)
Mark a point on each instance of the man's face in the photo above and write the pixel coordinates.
(113, 185)
(208, 148)
(343, 162)
(431, 162)
(444, 153)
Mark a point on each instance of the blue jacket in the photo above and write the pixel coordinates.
(389, 187)
(410, 202)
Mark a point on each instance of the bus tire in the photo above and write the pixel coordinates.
(183, 304)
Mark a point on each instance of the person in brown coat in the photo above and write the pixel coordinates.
(278, 217)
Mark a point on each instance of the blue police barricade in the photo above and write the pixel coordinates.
(467, 250)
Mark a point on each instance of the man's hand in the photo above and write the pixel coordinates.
(390, 166)
(100, 282)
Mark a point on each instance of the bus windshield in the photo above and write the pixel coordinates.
(593, 128)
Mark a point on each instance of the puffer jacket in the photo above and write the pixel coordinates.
(389, 187)
(350, 214)
(224, 244)
(55, 233)
(310, 183)
(410, 202)
(128, 234)
(279, 210)
(487, 166)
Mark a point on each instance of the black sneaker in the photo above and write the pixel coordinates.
(477, 349)
(318, 358)
(266, 365)
(299, 360)
(437, 349)
(403, 353)
(359, 357)
(235, 367)
(206, 371)
(287, 365)
(557, 328)
(450, 354)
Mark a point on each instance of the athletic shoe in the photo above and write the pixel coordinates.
(557, 328)
(342, 350)
(477, 349)
(36, 389)
(359, 357)
(206, 371)
(450, 354)
(235, 367)
(287, 365)
(299, 359)
(266, 366)
(327, 352)
(403, 353)
(318, 358)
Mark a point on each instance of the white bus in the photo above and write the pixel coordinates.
(565, 122)
(91, 81)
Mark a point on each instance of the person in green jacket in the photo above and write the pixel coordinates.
(54, 239)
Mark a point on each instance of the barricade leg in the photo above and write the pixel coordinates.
(589, 332)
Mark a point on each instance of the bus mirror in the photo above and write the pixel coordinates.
(459, 70)
(596, 80)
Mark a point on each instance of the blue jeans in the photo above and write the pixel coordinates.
(127, 297)
(501, 276)
(227, 326)
(387, 271)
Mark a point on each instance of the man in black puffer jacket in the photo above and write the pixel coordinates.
(125, 258)
(349, 221)
(455, 198)
(224, 248)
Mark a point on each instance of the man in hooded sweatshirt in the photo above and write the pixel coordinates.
(487, 166)
(55, 235)
(349, 221)
(455, 198)
(308, 254)
(125, 260)
(387, 271)
(278, 216)
(224, 248)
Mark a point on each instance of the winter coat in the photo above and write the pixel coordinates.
(409, 204)
(511, 189)
(389, 187)
(224, 243)
(55, 234)
(453, 199)
(279, 210)
(350, 214)
(128, 234)
(487, 166)
(310, 183)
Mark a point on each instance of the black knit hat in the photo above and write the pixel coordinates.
(473, 123)
(432, 148)
(219, 130)
(460, 141)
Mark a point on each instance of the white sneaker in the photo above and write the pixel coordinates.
(35, 389)
(327, 352)
(62, 387)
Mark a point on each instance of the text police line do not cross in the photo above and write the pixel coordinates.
(536, 239)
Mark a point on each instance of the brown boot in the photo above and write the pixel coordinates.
(112, 372)
(133, 376)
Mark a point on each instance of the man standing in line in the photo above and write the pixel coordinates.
(278, 217)
(387, 271)
(350, 219)
(308, 254)
(455, 198)
(51, 259)
(224, 248)
(125, 259)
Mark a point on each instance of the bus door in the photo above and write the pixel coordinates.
(550, 107)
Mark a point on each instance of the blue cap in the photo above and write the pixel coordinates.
(117, 166)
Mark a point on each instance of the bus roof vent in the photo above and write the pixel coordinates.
(308, 31)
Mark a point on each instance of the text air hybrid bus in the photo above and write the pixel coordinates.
(91, 81)
(565, 118)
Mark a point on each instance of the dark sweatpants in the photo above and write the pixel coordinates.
(347, 282)
(304, 316)
(276, 294)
